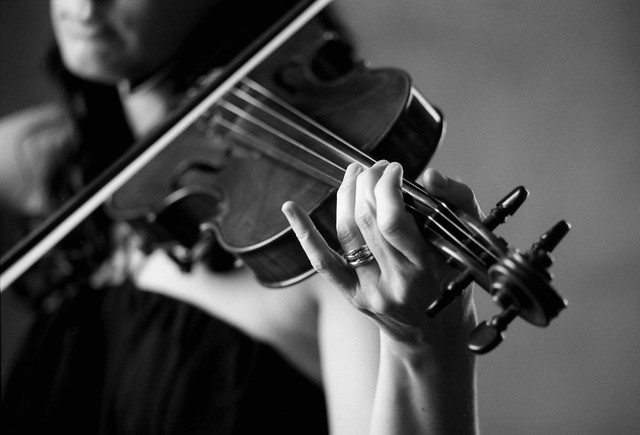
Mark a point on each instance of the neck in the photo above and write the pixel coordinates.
(148, 103)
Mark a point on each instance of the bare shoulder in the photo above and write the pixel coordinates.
(286, 318)
(32, 142)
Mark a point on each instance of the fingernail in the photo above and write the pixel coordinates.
(381, 163)
(287, 211)
(394, 170)
(353, 169)
(394, 167)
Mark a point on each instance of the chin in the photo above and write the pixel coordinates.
(98, 75)
(100, 66)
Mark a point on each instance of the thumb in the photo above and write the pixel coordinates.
(455, 192)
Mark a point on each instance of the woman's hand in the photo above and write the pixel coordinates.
(406, 273)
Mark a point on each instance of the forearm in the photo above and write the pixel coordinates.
(420, 393)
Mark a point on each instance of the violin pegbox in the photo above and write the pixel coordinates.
(518, 282)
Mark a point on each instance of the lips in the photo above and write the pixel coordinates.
(85, 29)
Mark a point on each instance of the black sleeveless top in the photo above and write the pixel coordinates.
(124, 361)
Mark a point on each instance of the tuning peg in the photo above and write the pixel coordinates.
(549, 240)
(506, 207)
(453, 290)
(487, 335)
(539, 252)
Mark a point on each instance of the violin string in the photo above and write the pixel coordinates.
(287, 139)
(353, 156)
(452, 219)
(360, 156)
(253, 141)
(442, 209)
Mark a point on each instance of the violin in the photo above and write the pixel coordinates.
(284, 125)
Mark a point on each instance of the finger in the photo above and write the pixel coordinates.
(323, 259)
(455, 192)
(347, 228)
(365, 213)
(395, 224)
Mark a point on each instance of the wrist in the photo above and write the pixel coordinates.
(446, 350)
(444, 336)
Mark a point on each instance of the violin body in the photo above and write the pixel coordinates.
(214, 185)
(223, 167)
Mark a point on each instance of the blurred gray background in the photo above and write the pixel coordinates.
(540, 93)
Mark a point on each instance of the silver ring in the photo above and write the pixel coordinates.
(359, 256)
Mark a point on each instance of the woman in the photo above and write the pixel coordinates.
(128, 342)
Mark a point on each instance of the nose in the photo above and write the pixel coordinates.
(83, 10)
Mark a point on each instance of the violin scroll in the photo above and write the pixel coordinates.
(518, 282)
(503, 209)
